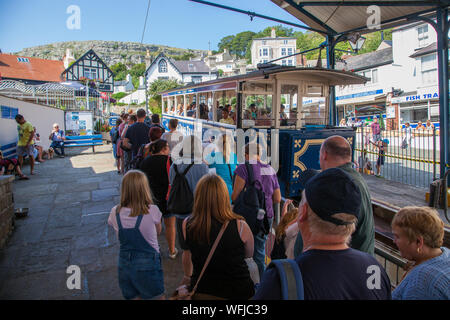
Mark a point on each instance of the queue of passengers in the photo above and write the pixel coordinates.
(330, 235)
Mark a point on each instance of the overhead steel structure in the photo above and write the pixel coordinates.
(348, 20)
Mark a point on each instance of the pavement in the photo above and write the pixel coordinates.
(69, 200)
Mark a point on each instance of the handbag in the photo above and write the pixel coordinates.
(182, 293)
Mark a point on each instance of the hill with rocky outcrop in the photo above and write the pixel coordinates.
(111, 52)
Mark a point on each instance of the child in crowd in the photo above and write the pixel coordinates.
(381, 145)
(8, 166)
(138, 222)
(364, 164)
(286, 233)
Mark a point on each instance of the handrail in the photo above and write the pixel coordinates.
(444, 180)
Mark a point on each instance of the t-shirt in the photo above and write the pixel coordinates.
(155, 167)
(364, 236)
(173, 138)
(137, 134)
(375, 128)
(267, 178)
(25, 130)
(346, 274)
(147, 226)
(217, 161)
(58, 136)
(227, 121)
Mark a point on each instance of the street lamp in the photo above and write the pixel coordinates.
(356, 41)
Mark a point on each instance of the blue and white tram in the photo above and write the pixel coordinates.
(287, 106)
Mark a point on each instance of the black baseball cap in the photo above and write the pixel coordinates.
(332, 191)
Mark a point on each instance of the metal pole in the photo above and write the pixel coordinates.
(332, 94)
(442, 54)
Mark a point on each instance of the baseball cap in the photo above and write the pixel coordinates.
(332, 191)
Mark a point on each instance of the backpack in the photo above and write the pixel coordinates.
(290, 279)
(251, 204)
(181, 198)
(137, 159)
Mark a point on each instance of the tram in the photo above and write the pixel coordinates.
(286, 109)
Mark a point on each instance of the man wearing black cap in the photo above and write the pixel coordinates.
(336, 152)
(156, 122)
(330, 269)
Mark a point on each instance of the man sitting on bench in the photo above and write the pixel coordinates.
(57, 137)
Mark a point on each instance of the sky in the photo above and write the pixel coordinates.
(176, 23)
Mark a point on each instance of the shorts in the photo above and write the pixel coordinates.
(380, 161)
(141, 275)
(25, 151)
(181, 242)
(376, 137)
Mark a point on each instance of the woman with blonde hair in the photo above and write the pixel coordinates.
(418, 234)
(227, 275)
(285, 233)
(138, 222)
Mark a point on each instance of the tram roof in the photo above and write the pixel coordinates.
(343, 17)
(330, 76)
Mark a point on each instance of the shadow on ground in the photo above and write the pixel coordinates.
(69, 200)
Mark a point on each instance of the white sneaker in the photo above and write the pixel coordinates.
(174, 254)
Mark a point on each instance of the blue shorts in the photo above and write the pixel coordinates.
(141, 275)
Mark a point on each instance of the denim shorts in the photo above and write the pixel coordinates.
(141, 275)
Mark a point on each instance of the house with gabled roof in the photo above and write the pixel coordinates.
(90, 67)
(189, 71)
(33, 71)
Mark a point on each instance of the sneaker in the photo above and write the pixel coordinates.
(174, 254)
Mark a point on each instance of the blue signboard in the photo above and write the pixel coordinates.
(112, 121)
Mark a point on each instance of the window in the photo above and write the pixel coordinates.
(163, 78)
(264, 42)
(265, 52)
(374, 76)
(228, 66)
(196, 79)
(289, 51)
(283, 62)
(429, 69)
(283, 51)
(285, 42)
(90, 73)
(265, 61)
(422, 36)
(162, 66)
(23, 60)
(289, 62)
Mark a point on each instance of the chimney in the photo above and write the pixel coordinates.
(273, 34)
(148, 60)
(225, 50)
(68, 58)
(128, 78)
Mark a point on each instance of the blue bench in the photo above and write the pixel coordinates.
(84, 141)
(9, 150)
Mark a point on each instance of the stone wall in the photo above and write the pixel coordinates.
(6, 208)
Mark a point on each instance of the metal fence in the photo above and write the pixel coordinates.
(406, 156)
(54, 94)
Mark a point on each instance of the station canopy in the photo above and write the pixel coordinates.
(346, 16)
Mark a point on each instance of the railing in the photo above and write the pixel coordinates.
(409, 157)
(393, 264)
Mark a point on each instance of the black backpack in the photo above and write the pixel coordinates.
(135, 163)
(250, 202)
(181, 198)
(278, 250)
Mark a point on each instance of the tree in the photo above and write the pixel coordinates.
(280, 31)
(239, 45)
(137, 71)
(220, 72)
(158, 86)
(225, 43)
(120, 71)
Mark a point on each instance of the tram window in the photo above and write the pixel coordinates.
(314, 111)
(314, 90)
(258, 87)
(257, 110)
(288, 108)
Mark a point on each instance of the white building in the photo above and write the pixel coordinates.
(404, 79)
(227, 63)
(266, 49)
(124, 86)
(192, 71)
(137, 96)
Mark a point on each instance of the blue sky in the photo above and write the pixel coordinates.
(176, 23)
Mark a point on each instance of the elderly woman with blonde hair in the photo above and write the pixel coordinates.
(418, 234)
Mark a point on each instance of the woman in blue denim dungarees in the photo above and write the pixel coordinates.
(138, 223)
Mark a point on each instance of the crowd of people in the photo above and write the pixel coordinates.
(168, 179)
(29, 146)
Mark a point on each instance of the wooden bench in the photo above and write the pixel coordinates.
(83, 141)
(9, 150)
